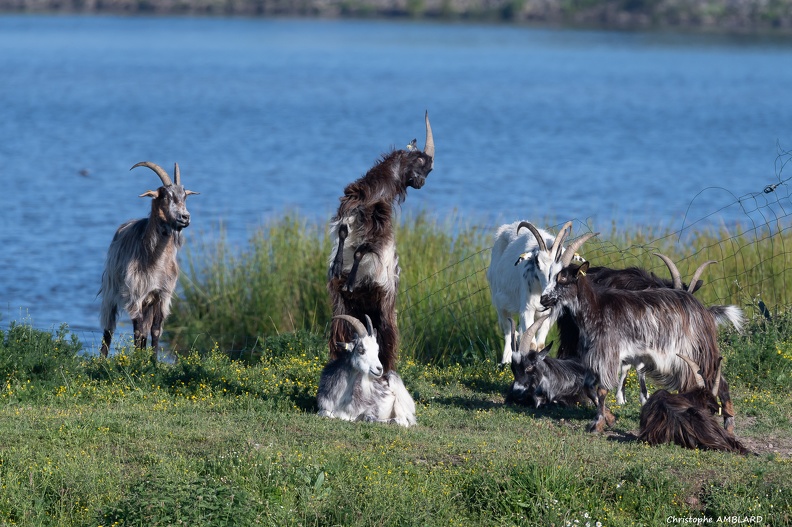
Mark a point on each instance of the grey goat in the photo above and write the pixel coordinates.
(141, 270)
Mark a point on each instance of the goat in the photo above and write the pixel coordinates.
(141, 270)
(363, 274)
(539, 379)
(520, 267)
(355, 387)
(631, 278)
(646, 327)
(686, 419)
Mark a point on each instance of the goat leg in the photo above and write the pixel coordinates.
(604, 416)
(156, 330)
(106, 339)
(642, 383)
(138, 327)
(338, 260)
(361, 251)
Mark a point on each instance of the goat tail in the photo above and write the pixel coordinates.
(728, 315)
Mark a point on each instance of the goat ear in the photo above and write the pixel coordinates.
(150, 193)
(583, 269)
(190, 192)
(543, 354)
(346, 345)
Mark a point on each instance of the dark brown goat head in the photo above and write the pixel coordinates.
(169, 205)
(417, 165)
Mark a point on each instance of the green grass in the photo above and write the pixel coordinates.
(228, 434)
(213, 441)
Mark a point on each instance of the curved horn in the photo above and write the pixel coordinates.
(695, 368)
(527, 337)
(565, 231)
(573, 247)
(716, 386)
(176, 174)
(369, 326)
(673, 269)
(535, 231)
(355, 323)
(698, 273)
(166, 180)
(429, 148)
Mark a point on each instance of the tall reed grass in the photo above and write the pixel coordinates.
(236, 297)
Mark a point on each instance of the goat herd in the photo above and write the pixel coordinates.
(608, 320)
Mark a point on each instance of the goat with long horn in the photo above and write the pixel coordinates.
(363, 269)
(141, 270)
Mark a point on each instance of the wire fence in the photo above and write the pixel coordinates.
(448, 313)
(451, 312)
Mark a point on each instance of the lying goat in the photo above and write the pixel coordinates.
(141, 270)
(539, 379)
(520, 267)
(648, 327)
(686, 419)
(353, 387)
(363, 274)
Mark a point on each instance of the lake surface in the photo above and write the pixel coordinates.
(271, 116)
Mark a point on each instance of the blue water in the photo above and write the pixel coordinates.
(270, 116)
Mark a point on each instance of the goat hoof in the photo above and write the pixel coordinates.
(598, 425)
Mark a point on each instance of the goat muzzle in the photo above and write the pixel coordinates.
(548, 301)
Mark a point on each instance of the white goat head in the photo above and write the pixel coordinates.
(364, 349)
(549, 261)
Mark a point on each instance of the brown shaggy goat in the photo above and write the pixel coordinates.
(363, 274)
(686, 419)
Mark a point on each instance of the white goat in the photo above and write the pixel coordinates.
(520, 268)
(353, 387)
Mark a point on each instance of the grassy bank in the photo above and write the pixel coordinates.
(214, 441)
(237, 297)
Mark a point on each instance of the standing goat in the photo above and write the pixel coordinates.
(520, 267)
(634, 279)
(354, 387)
(141, 270)
(686, 419)
(648, 327)
(363, 274)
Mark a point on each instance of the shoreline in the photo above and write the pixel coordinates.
(705, 16)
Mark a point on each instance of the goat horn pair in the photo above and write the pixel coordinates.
(678, 278)
(527, 337)
(540, 239)
(357, 325)
(166, 180)
(429, 149)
